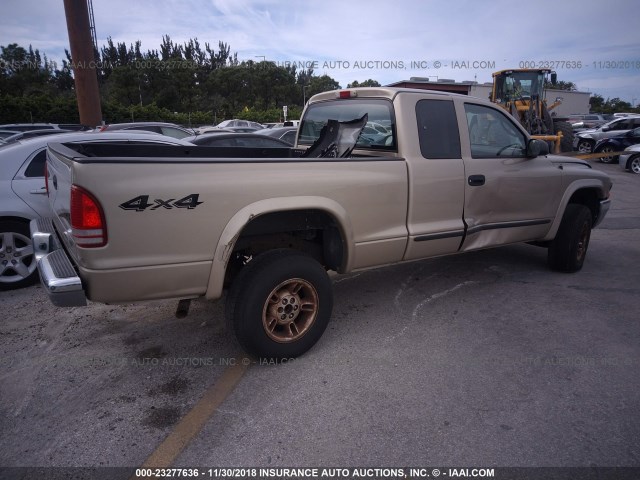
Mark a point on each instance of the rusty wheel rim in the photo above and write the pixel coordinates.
(290, 310)
(583, 242)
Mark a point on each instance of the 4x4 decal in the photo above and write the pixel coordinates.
(141, 203)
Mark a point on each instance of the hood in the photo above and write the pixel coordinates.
(564, 160)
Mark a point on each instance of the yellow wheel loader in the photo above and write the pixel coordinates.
(521, 93)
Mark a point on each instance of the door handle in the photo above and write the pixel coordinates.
(476, 180)
(42, 191)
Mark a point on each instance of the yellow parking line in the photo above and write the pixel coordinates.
(588, 156)
(192, 422)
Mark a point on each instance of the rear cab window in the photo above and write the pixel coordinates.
(378, 134)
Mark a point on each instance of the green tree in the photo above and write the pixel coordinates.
(366, 83)
(561, 85)
(322, 84)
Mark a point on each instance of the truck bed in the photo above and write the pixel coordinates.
(164, 250)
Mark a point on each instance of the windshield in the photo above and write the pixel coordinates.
(378, 134)
(517, 85)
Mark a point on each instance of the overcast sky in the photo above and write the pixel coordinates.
(598, 40)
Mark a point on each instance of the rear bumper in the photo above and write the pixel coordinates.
(57, 274)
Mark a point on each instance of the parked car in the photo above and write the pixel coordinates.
(586, 140)
(631, 160)
(211, 129)
(617, 143)
(32, 133)
(6, 133)
(244, 129)
(237, 140)
(240, 123)
(168, 129)
(623, 114)
(591, 120)
(23, 196)
(25, 127)
(286, 134)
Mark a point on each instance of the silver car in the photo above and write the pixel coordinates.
(23, 196)
(631, 160)
(585, 140)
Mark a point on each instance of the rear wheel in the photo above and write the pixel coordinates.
(569, 249)
(17, 261)
(633, 164)
(279, 304)
(607, 149)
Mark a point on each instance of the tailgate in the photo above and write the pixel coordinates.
(59, 177)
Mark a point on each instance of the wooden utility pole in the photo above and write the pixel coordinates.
(84, 62)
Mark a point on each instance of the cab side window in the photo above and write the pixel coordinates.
(493, 134)
(438, 129)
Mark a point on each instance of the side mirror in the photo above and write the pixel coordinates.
(535, 148)
(554, 78)
(606, 129)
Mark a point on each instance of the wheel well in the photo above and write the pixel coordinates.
(314, 232)
(14, 219)
(589, 198)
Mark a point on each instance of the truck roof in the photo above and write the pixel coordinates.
(379, 92)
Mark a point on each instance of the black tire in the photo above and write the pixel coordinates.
(633, 164)
(566, 143)
(280, 304)
(569, 249)
(17, 261)
(585, 146)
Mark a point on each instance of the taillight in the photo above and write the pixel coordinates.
(346, 93)
(88, 227)
(46, 178)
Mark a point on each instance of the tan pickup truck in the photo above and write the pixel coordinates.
(377, 176)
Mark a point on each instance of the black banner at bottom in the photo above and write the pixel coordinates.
(331, 473)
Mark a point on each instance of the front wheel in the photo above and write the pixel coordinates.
(17, 260)
(279, 304)
(585, 146)
(566, 143)
(633, 164)
(569, 249)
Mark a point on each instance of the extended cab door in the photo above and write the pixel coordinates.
(432, 149)
(508, 197)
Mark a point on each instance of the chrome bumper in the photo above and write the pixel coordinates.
(57, 274)
(604, 208)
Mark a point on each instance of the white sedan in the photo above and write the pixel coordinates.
(23, 196)
(631, 160)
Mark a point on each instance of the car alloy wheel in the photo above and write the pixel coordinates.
(585, 146)
(17, 260)
(607, 149)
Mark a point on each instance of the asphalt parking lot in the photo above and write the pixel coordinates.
(485, 359)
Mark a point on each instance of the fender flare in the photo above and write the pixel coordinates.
(236, 224)
(568, 193)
